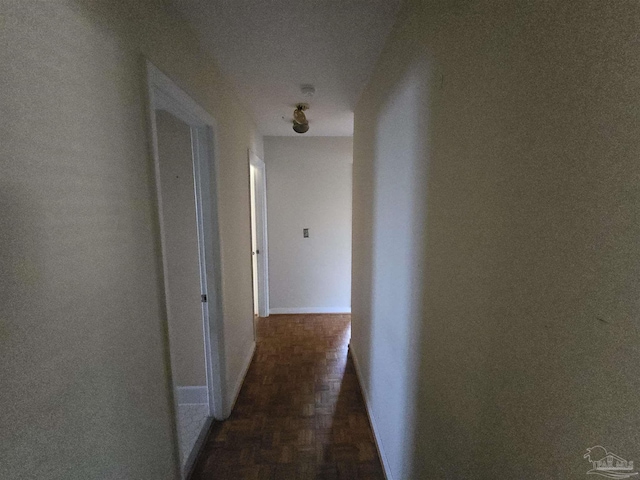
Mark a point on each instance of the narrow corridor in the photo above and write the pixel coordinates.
(300, 413)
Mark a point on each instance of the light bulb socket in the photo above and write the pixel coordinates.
(301, 127)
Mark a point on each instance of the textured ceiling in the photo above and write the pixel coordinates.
(270, 48)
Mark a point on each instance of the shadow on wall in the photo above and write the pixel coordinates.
(21, 249)
(390, 185)
(496, 259)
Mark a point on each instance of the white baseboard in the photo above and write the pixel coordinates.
(367, 402)
(192, 395)
(197, 446)
(240, 380)
(302, 310)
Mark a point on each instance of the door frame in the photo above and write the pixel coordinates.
(261, 233)
(164, 94)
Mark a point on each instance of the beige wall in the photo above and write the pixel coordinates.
(184, 310)
(309, 186)
(497, 238)
(85, 390)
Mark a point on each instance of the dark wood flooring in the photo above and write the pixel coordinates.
(300, 413)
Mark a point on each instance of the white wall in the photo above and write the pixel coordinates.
(309, 186)
(496, 258)
(85, 391)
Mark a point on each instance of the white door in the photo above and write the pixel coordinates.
(254, 240)
(260, 263)
(184, 280)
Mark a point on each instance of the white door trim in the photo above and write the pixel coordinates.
(261, 234)
(166, 95)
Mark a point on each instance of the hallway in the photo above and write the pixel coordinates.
(445, 192)
(300, 413)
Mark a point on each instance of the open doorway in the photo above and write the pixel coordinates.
(182, 138)
(183, 279)
(259, 257)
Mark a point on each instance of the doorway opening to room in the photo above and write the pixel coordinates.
(183, 148)
(259, 257)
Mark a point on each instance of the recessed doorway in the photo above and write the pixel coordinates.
(183, 148)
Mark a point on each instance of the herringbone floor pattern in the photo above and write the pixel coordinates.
(300, 413)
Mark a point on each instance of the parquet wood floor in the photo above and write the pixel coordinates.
(300, 413)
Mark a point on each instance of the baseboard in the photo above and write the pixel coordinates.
(191, 395)
(367, 402)
(240, 381)
(307, 310)
(197, 447)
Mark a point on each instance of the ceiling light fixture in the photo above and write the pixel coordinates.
(300, 122)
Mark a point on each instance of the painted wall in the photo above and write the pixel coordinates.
(184, 309)
(496, 258)
(309, 186)
(85, 391)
